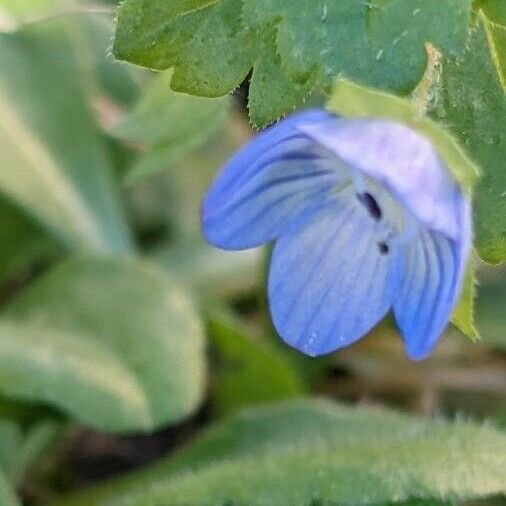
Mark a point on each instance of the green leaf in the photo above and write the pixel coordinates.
(272, 92)
(495, 10)
(20, 448)
(90, 33)
(292, 47)
(38, 439)
(350, 100)
(463, 314)
(168, 125)
(21, 8)
(210, 272)
(248, 372)
(104, 78)
(298, 452)
(10, 441)
(490, 312)
(117, 344)
(23, 241)
(174, 196)
(400, 29)
(65, 369)
(496, 35)
(478, 120)
(7, 496)
(381, 44)
(159, 35)
(62, 175)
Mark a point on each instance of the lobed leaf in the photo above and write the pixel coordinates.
(117, 344)
(495, 10)
(478, 120)
(496, 35)
(293, 48)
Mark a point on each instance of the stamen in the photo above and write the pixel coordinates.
(371, 205)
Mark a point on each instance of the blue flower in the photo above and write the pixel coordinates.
(365, 217)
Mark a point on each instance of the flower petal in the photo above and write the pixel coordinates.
(329, 282)
(433, 274)
(277, 175)
(399, 158)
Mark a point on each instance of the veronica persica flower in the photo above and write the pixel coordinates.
(366, 218)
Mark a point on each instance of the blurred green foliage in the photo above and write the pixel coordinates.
(248, 372)
(63, 175)
(116, 343)
(169, 124)
(295, 453)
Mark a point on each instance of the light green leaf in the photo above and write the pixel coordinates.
(10, 441)
(103, 77)
(463, 314)
(248, 372)
(89, 31)
(7, 496)
(19, 9)
(174, 196)
(298, 452)
(67, 370)
(350, 100)
(210, 272)
(478, 120)
(168, 125)
(117, 344)
(20, 448)
(292, 47)
(38, 439)
(55, 162)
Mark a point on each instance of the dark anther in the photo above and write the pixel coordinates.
(371, 204)
(383, 247)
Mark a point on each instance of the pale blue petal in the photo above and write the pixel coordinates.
(278, 174)
(329, 284)
(399, 158)
(434, 270)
